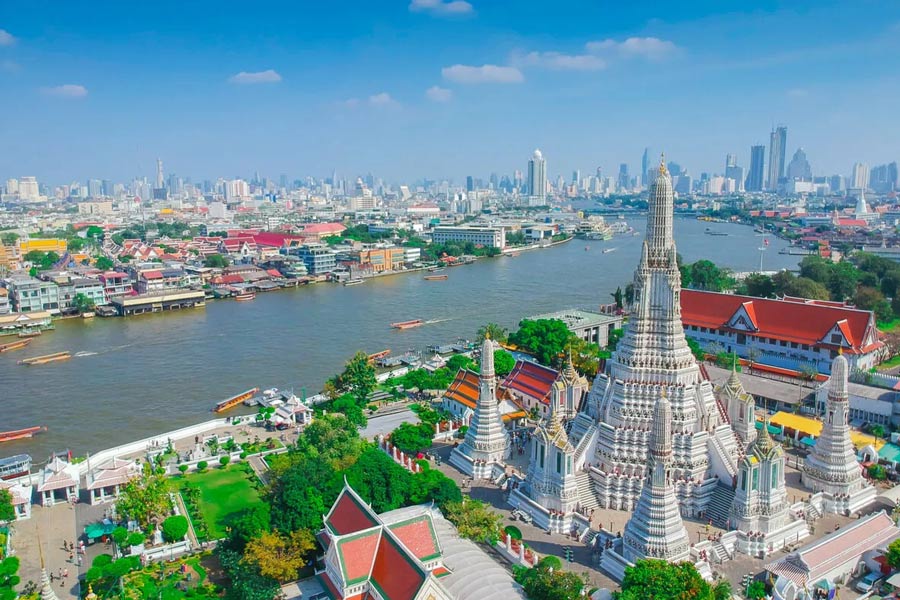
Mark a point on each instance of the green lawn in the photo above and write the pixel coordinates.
(223, 494)
(890, 363)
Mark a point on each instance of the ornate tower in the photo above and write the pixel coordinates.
(653, 357)
(655, 530)
(741, 408)
(486, 444)
(551, 470)
(760, 511)
(832, 467)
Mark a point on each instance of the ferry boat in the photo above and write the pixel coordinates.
(354, 282)
(235, 400)
(608, 250)
(245, 297)
(21, 434)
(17, 345)
(436, 269)
(47, 358)
(15, 466)
(435, 277)
(30, 333)
(408, 324)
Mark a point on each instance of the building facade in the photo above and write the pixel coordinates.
(489, 237)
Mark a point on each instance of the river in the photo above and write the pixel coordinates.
(138, 376)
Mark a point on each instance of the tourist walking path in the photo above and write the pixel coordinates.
(46, 530)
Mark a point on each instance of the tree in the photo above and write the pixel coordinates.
(759, 285)
(9, 238)
(807, 288)
(249, 524)
(546, 582)
(280, 556)
(868, 298)
(104, 264)
(756, 590)
(174, 528)
(83, 303)
(705, 275)
(474, 520)
(75, 244)
(459, 361)
(380, 481)
(358, 377)
(201, 466)
(893, 554)
(93, 232)
(7, 511)
(145, 499)
(816, 268)
(348, 406)
(877, 472)
(224, 460)
(660, 580)
(332, 438)
(215, 261)
(545, 338)
(629, 294)
(618, 298)
(496, 333)
(9, 579)
(842, 281)
(302, 494)
(431, 484)
(412, 438)
(503, 362)
(247, 583)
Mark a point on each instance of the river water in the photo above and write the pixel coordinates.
(135, 377)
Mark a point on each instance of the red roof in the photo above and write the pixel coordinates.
(350, 514)
(319, 228)
(274, 273)
(152, 275)
(788, 319)
(531, 379)
(358, 553)
(275, 240)
(395, 573)
(418, 537)
(464, 388)
(228, 279)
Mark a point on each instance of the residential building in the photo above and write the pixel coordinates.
(380, 259)
(69, 287)
(589, 326)
(791, 333)
(537, 177)
(318, 258)
(489, 237)
(27, 294)
(116, 284)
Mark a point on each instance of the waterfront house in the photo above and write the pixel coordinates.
(21, 497)
(116, 284)
(104, 481)
(318, 258)
(787, 332)
(27, 294)
(58, 482)
(14, 322)
(239, 249)
(4, 301)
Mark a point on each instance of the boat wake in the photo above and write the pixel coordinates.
(85, 353)
(433, 321)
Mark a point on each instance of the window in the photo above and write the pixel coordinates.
(837, 338)
(755, 479)
(541, 452)
(774, 475)
(558, 462)
(744, 481)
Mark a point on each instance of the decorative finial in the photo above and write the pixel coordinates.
(487, 335)
(662, 392)
(662, 164)
(840, 350)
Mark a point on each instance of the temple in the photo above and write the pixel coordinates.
(760, 512)
(611, 432)
(831, 468)
(741, 409)
(486, 445)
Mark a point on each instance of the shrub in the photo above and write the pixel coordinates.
(94, 574)
(135, 539)
(175, 528)
(243, 455)
(552, 562)
(119, 535)
(877, 472)
(183, 468)
(101, 561)
(224, 460)
(201, 466)
(513, 532)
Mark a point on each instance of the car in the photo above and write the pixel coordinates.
(869, 582)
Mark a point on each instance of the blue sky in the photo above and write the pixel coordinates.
(437, 88)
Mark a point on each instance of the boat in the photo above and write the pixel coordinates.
(719, 233)
(245, 297)
(436, 269)
(15, 466)
(20, 434)
(87, 315)
(408, 324)
(17, 345)
(435, 277)
(608, 250)
(586, 248)
(30, 333)
(235, 400)
(47, 358)
(377, 355)
(354, 281)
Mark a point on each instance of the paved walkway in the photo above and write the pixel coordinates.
(52, 526)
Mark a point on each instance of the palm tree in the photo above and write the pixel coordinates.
(492, 330)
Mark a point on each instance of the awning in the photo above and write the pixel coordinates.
(97, 530)
(808, 441)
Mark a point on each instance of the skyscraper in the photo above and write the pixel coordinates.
(777, 143)
(470, 183)
(623, 176)
(755, 175)
(160, 182)
(734, 172)
(645, 167)
(799, 169)
(859, 178)
(537, 176)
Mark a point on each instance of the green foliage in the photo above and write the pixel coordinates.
(705, 275)
(247, 525)
(135, 539)
(503, 362)
(83, 303)
(246, 581)
(9, 578)
(545, 338)
(492, 330)
(459, 361)
(7, 512)
(183, 468)
(119, 535)
(215, 497)
(660, 580)
(201, 466)
(358, 378)
(42, 260)
(618, 298)
(756, 590)
(759, 285)
(350, 408)
(869, 298)
(224, 460)
(9, 238)
(102, 560)
(145, 499)
(421, 379)
(547, 582)
(104, 264)
(174, 528)
(474, 520)
(514, 533)
(383, 483)
(215, 261)
(413, 438)
(877, 472)
(893, 554)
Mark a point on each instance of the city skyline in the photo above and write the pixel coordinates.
(104, 93)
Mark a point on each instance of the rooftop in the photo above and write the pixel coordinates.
(577, 318)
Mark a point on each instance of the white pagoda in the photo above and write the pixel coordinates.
(486, 445)
(760, 511)
(831, 467)
(741, 408)
(611, 434)
(655, 530)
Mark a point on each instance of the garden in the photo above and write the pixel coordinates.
(215, 496)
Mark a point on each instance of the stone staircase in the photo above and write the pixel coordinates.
(586, 496)
(719, 552)
(581, 431)
(588, 536)
(720, 505)
(811, 513)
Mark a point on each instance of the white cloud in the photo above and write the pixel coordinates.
(443, 8)
(438, 94)
(6, 38)
(561, 62)
(244, 77)
(350, 103)
(382, 99)
(482, 74)
(650, 48)
(68, 90)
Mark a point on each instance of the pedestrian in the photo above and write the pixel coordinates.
(66, 573)
(71, 557)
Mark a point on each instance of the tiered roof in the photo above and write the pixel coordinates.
(531, 379)
(465, 388)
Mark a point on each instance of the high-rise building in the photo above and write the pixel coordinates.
(799, 169)
(645, 167)
(470, 183)
(576, 176)
(160, 182)
(29, 190)
(859, 178)
(755, 175)
(537, 176)
(733, 172)
(777, 143)
(95, 188)
(623, 181)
